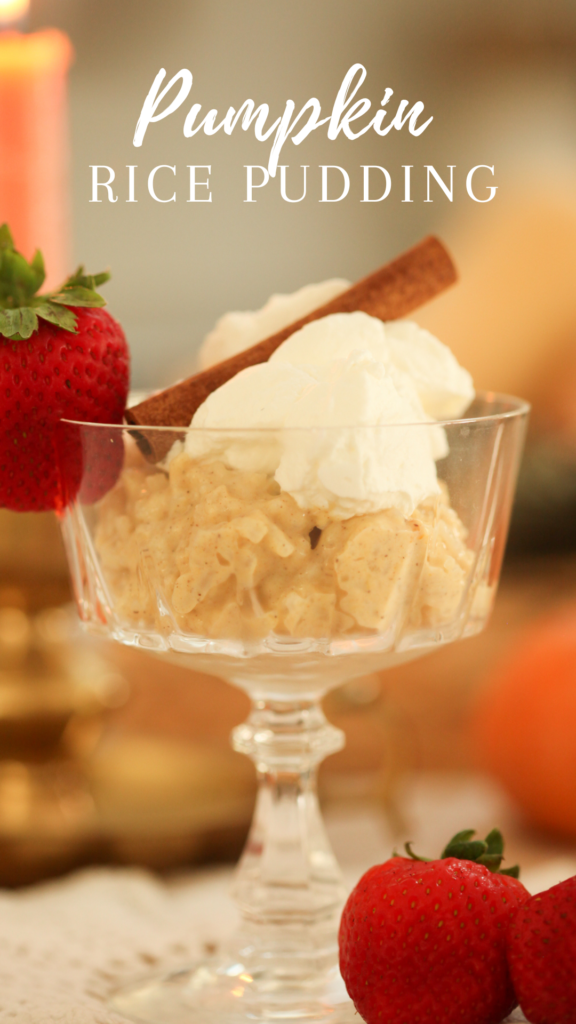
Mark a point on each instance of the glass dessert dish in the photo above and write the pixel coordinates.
(202, 557)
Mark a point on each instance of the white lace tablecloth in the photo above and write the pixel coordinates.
(66, 945)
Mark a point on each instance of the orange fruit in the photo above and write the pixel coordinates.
(524, 727)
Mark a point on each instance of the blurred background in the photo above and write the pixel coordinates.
(110, 755)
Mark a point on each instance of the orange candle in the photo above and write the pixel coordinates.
(34, 151)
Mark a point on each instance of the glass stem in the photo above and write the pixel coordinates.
(288, 884)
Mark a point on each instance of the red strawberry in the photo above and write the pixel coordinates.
(425, 940)
(61, 356)
(542, 955)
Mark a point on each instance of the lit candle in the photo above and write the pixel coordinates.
(34, 139)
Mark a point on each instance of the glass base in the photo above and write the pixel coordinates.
(224, 993)
(217, 992)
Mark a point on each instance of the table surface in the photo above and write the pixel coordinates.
(65, 945)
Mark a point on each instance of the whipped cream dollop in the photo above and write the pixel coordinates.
(239, 330)
(346, 409)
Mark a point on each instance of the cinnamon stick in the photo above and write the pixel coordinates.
(390, 293)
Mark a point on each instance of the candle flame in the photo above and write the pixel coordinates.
(12, 11)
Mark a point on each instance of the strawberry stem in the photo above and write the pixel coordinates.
(414, 856)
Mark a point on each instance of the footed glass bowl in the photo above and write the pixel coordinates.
(193, 544)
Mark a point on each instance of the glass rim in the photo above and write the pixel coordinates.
(520, 407)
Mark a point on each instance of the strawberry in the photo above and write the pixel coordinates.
(542, 955)
(424, 941)
(61, 356)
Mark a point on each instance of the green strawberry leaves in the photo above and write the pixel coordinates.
(80, 290)
(22, 322)
(90, 281)
(21, 306)
(513, 872)
(56, 314)
(77, 297)
(488, 851)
